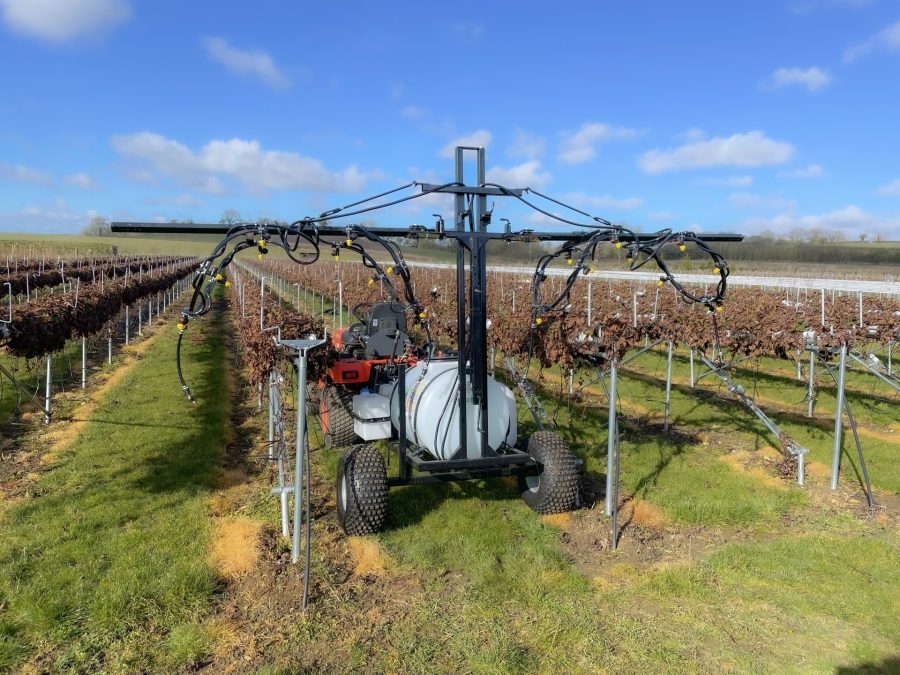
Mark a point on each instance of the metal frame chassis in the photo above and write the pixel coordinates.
(473, 464)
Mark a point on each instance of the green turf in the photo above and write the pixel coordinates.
(109, 566)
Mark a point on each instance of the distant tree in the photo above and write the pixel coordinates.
(98, 227)
(863, 236)
(230, 217)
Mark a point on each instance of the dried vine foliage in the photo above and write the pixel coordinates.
(753, 322)
(45, 324)
(33, 276)
(259, 346)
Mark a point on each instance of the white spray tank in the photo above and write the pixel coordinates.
(432, 411)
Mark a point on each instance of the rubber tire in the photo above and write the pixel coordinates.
(557, 487)
(362, 491)
(336, 418)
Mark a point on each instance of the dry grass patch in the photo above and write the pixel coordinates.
(369, 558)
(646, 514)
(560, 520)
(236, 546)
(741, 462)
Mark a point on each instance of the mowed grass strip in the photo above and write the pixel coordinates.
(109, 567)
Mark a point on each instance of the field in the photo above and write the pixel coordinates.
(138, 532)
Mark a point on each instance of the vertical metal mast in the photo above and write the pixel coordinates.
(473, 350)
(459, 201)
(478, 309)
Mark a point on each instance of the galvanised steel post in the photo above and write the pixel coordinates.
(271, 414)
(300, 464)
(83, 362)
(341, 301)
(47, 391)
(126, 324)
(589, 301)
(839, 420)
(692, 367)
(811, 394)
(668, 386)
(285, 523)
(611, 434)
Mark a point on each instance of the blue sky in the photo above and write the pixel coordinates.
(738, 116)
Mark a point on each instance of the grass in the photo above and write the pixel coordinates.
(805, 590)
(108, 568)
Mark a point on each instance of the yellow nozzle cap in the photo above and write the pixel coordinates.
(682, 247)
(227, 284)
(628, 259)
(590, 270)
(421, 315)
(348, 242)
(389, 269)
(720, 308)
(618, 244)
(219, 276)
(180, 326)
(259, 255)
(660, 282)
(716, 270)
(261, 242)
(371, 281)
(337, 258)
(538, 321)
(570, 261)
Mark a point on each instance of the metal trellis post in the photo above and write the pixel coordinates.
(668, 386)
(839, 419)
(611, 435)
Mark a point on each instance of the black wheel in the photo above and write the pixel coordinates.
(362, 490)
(335, 406)
(555, 488)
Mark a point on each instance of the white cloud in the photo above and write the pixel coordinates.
(24, 174)
(528, 174)
(526, 145)
(811, 171)
(253, 63)
(661, 216)
(850, 220)
(81, 180)
(413, 112)
(184, 200)
(731, 181)
(63, 20)
(584, 200)
(887, 40)
(812, 79)
(746, 200)
(258, 170)
(478, 139)
(891, 189)
(753, 148)
(581, 146)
